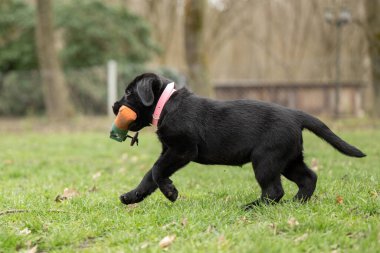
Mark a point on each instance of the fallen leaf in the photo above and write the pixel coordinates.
(25, 231)
(167, 241)
(96, 175)
(46, 226)
(184, 222)
(374, 194)
(8, 162)
(93, 189)
(314, 164)
(301, 238)
(221, 240)
(144, 245)
(134, 159)
(339, 199)
(124, 157)
(355, 235)
(67, 194)
(292, 222)
(243, 219)
(273, 226)
(32, 250)
(182, 197)
(334, 248)
(131, 206)
(228, 198)
(210, 228)
(169, 225)
(122, 170)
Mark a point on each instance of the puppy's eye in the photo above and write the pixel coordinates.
(127, 93)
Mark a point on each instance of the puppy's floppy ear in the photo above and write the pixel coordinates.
(145, 91)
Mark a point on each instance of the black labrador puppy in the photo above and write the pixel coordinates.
(206, 131)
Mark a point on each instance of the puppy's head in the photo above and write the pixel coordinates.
(141, 95)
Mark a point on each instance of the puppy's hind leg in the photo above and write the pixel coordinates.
(306, 180)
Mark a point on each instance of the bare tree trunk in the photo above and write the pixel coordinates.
(196, 55)
(373, 25)
(55, 92)
(164, 17)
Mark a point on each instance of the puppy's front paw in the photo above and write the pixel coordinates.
(130, 197)
(252, 205)
(170, 192)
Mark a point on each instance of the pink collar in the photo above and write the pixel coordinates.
(169, 90)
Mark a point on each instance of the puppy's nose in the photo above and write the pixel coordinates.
(116, 106)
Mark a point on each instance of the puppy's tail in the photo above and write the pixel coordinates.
(319, 128)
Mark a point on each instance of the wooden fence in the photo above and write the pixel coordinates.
(315, 98)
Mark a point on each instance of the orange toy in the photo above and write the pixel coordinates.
(124, 118)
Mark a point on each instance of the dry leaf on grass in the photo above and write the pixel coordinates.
(292, 222)
(131, 207)
(32, 250)
(273, 226)
(339, 199)
(227, 199)
(221, 240)
(169, 225)
(167, 241)
(210, 228)
(67, 194)
(144, 245)
(181, 197)
(25, 231)
(124, 157)
(7, 162)
(314, 165)
(184, 222)
(96, 175)
(134, 159)
(93, 189)
(374, 194)
(301, 238)
(356, 235)
(243, 220)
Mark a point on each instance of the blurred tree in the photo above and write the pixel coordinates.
(164, 16)
(55, 91)
(87, 33)
(17, 45)
(209, 25)
(373, 34)
(196, 56)
(94, 32)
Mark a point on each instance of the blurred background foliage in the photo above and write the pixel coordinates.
(214, 43)
(17, 44)
(90, 33)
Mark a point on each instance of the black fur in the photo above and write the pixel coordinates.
(206, 131)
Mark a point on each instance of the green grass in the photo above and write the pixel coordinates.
(36, 166)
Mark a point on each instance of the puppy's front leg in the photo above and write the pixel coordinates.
(168, 163)
(144, 189)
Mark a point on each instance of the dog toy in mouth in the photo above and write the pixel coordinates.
(119, 129)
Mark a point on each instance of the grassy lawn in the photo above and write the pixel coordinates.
(36, 166)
